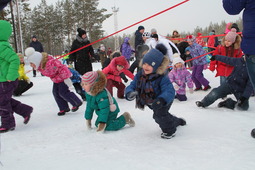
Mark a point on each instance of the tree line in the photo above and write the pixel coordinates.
(56, 25)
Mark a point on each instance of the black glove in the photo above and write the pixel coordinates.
(123, 76)
(158, 103)
(131, 95)
(125, 80)
(241, 101)
(212, 58)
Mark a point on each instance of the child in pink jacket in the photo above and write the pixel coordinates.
(59, 74)
(117, 66)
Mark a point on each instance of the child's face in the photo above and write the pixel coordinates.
(21, 59)
(148, 69)
(120, 67)
(33, 65)
(178, 65)
(86, 86)
(228, 43)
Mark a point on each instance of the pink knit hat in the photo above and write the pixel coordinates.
(231, 35)
(90, 77)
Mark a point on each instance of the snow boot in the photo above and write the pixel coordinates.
(228, 103)
(207, 88)
(199, 104)
(128, 119)
(198, 88)
(63, 112)
(253, 133)
(101, 127)
(3, 130)
(75, 108)
(167, 135)
(182, 122)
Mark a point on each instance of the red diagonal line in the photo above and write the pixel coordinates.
(124, 28)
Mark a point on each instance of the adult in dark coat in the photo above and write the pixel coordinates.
(81, 58)
(3, 4)
(37, 45)
(237, 83)
(234, 7)
(138, 41)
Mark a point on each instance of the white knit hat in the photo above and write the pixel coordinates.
(177, 59)
(33, 56)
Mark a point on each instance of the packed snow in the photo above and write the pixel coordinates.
(214, 138)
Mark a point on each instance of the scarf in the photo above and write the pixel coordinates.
(146, 94)
(81, 40)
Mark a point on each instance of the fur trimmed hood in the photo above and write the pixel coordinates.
(99, 85)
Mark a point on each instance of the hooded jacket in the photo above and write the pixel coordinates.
(98, 101)
(162, 86)
(224, 69)
(126, 49)
(112, 73)
(54, 69)
(9, 60)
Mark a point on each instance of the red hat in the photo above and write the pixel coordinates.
(121, 61)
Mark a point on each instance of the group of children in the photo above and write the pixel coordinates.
(153, 86)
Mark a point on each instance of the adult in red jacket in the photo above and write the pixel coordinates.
(230, 47)
(117, 66)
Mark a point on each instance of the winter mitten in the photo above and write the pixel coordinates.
(123, 76)
(128, 119)
(191, 91)
(131, 95)
(243, 103)
(158, 103)
(176, 87)
(101, 127)
(68, 82)
(88, 123)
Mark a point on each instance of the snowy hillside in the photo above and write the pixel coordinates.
(213, 139)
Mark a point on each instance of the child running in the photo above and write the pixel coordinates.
(179, 76)
(9, 65)
(151, 87)
(59, 74)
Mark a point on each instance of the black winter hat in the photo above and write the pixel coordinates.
(140, 28)
(81, 32)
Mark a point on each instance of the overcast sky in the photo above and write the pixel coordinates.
(185, 17)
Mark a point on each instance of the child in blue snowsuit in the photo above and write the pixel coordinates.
(151, 87)
(76, 80)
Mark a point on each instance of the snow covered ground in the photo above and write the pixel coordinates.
(213, 139)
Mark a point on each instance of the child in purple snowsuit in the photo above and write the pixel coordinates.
(126, 49)
(196, 50)
(179, 76)
(9, 65)
(60, 75)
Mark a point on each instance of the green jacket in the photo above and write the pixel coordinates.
(98, 102)
(9, 60)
